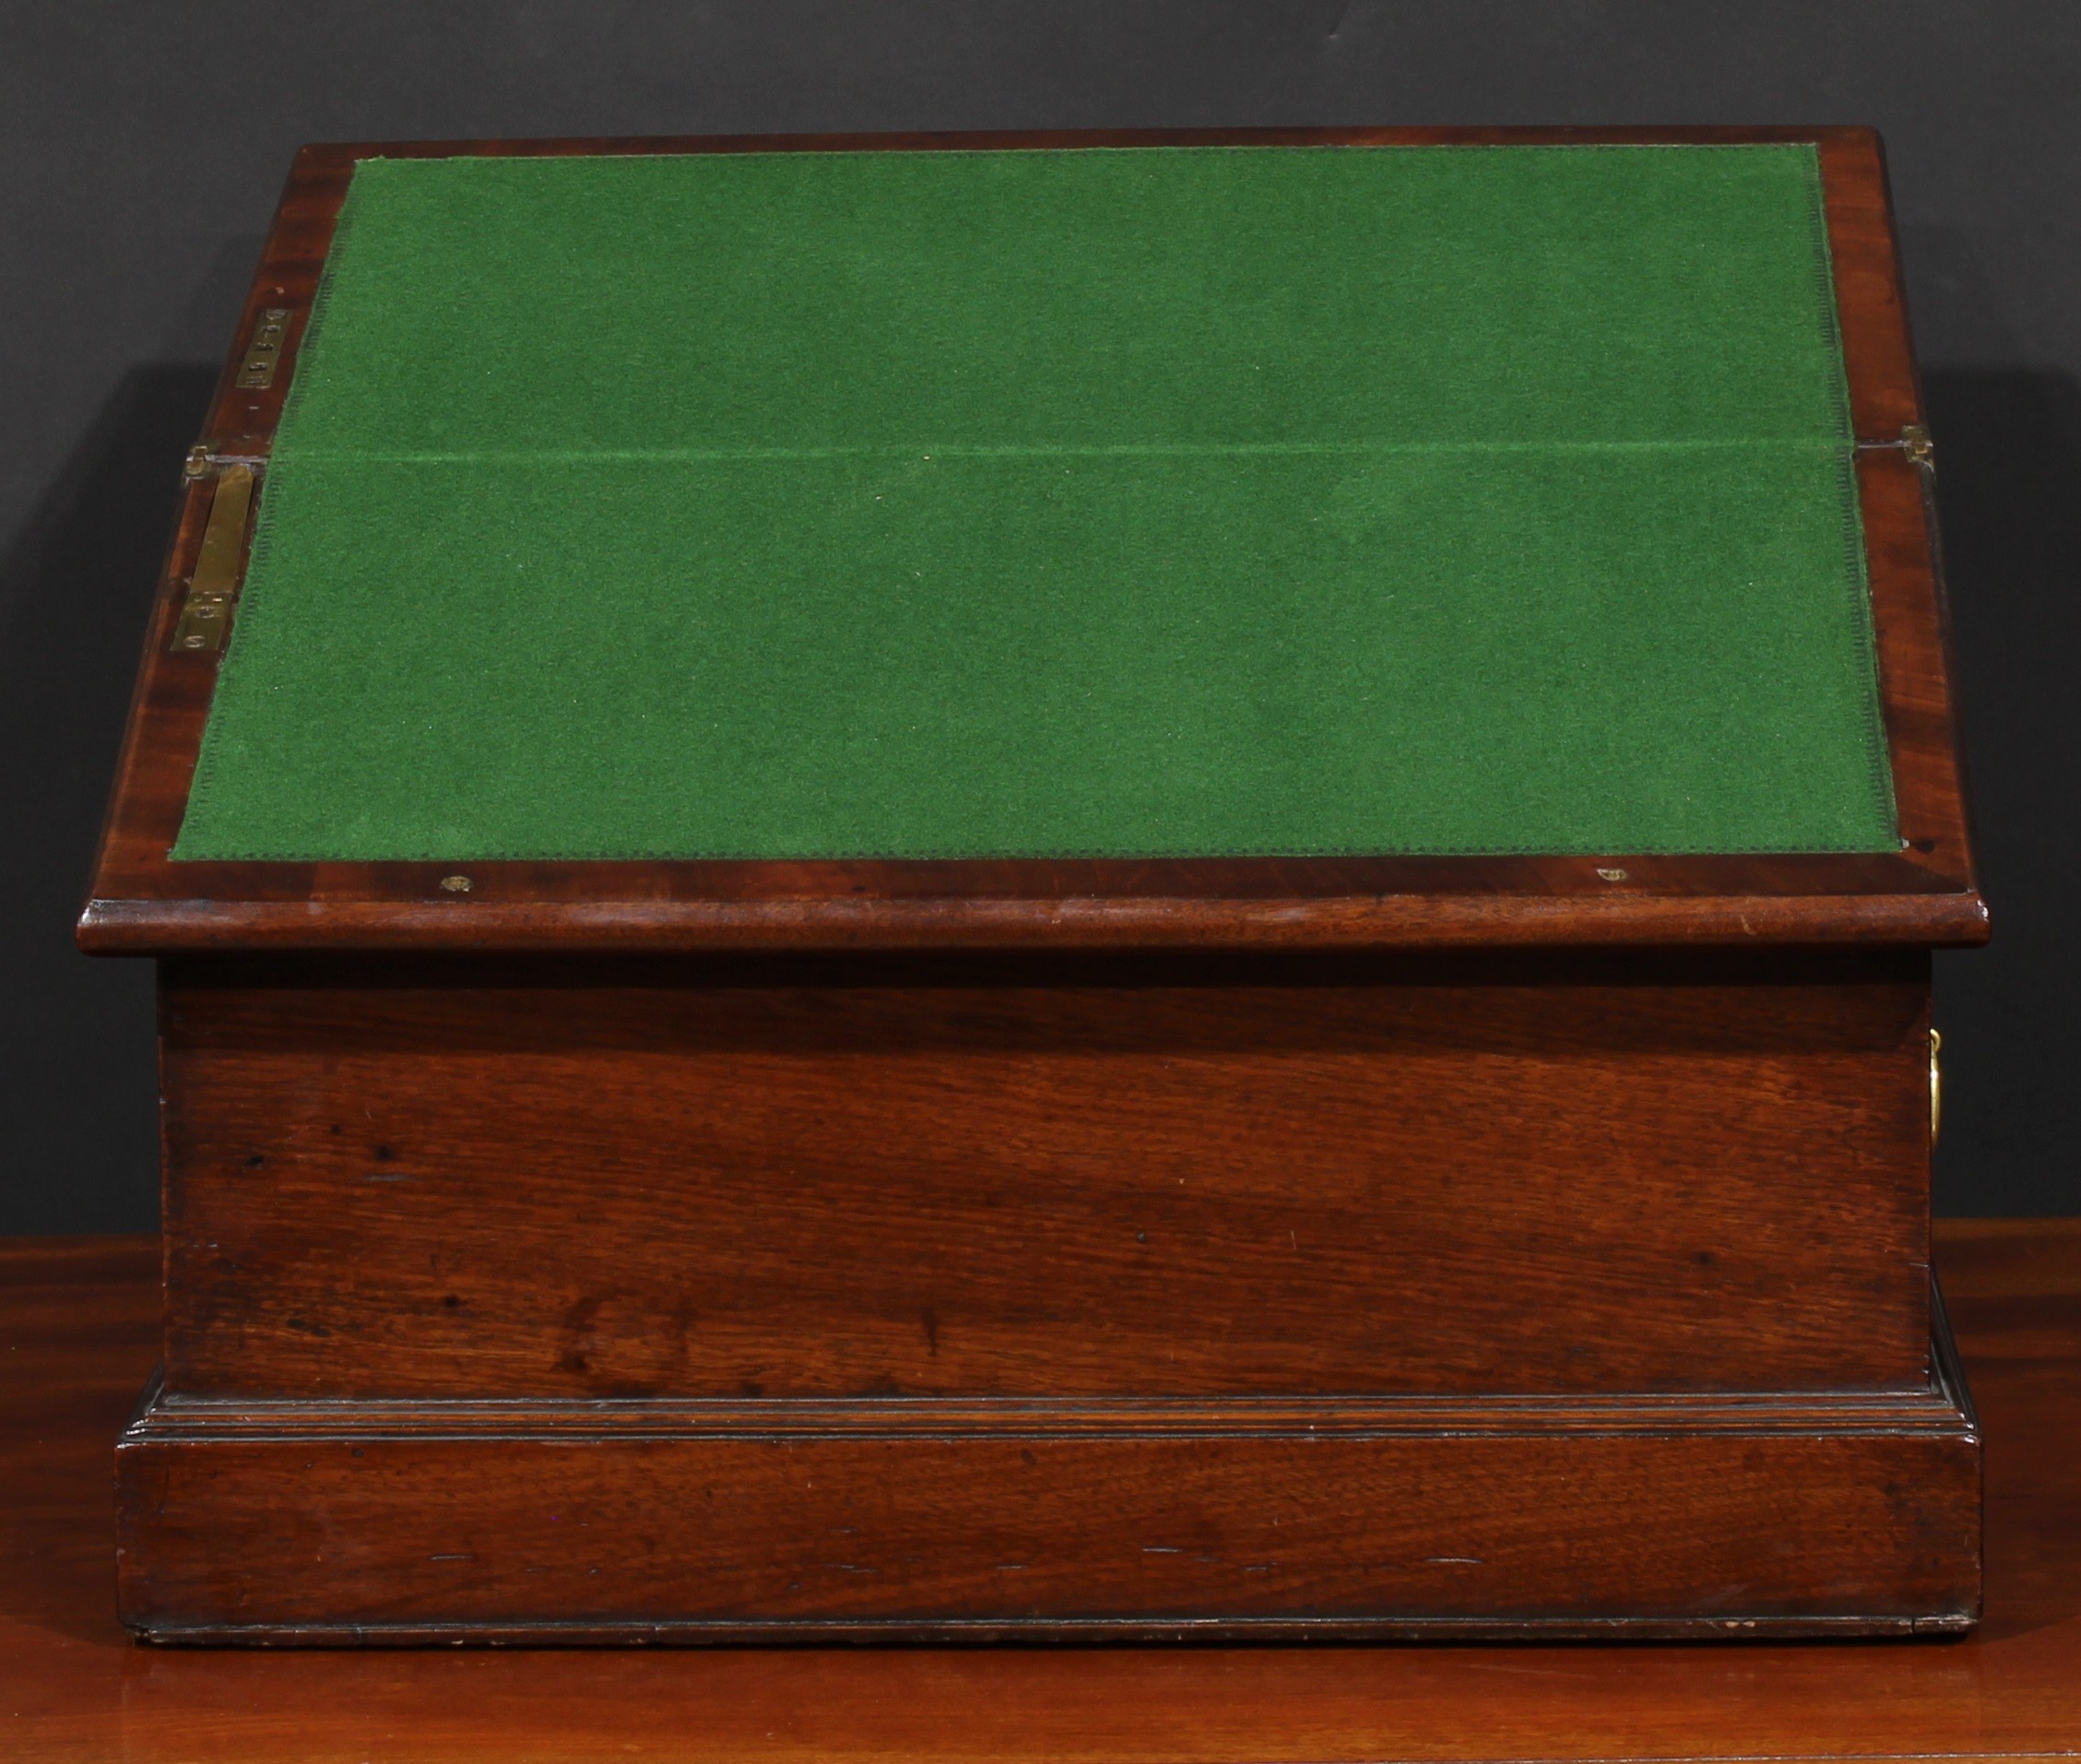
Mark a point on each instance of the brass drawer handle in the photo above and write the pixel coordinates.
(1936, 1087)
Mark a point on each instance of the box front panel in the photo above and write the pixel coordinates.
(1513, 1174)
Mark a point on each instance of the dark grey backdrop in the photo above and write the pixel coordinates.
(142, 145)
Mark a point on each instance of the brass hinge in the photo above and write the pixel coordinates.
(1921, 450)
(214, 586)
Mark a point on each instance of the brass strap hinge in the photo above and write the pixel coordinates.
(213, 588)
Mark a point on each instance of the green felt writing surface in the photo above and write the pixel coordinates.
(1102, 502)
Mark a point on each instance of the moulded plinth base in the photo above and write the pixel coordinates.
(941, 1520)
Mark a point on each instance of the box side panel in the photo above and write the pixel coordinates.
(1630, 1179)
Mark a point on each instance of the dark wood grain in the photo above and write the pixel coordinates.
(78, 1335)
(1871, 299)
(322, 1522)
(1926, 894)
(1395, 1253)
(1115, 1179)
(1914, 659)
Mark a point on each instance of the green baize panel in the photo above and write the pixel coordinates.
(1147, 501)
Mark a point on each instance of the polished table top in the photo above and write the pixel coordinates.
(78, 1326)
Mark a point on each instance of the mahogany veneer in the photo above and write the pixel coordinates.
(747, 1250)
(79, 1329)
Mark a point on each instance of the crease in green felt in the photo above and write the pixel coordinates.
(1098, 503)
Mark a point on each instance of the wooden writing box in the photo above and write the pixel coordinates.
(1061, 885)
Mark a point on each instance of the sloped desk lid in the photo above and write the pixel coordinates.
(1372, 537)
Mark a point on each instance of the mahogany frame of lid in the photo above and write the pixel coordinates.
(1927, 894)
